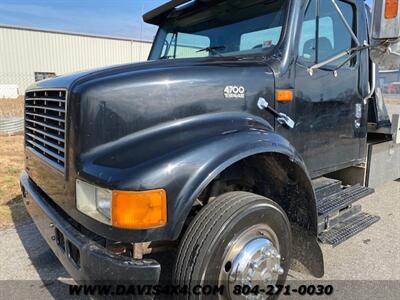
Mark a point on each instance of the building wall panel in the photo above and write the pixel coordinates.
(24, 52)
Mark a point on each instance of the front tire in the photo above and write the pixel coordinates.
(238, 239)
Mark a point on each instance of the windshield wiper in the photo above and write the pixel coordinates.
(167, 57)
(213, 50)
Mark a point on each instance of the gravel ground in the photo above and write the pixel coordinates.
(364, 267)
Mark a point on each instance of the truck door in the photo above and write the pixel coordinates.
(327, 103)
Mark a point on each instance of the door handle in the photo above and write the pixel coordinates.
(282, 118)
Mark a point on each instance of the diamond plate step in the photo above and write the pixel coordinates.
(348, 228)
(342, 199)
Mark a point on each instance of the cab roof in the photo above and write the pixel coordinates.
(158, 15)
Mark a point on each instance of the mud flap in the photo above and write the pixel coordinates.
(307, 255)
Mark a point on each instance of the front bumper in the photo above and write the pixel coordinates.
(84, 259)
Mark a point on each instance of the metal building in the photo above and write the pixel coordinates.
(28, 54)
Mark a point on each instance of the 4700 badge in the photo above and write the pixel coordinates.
(235, 91)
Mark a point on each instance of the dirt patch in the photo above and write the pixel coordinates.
(11, 165)
(392, 99)
(12, 107)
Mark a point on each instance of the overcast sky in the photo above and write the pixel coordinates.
(105, 17)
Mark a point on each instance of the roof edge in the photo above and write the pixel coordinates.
(16, 27)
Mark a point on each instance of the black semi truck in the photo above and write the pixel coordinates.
(235, 150)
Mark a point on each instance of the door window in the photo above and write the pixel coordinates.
(308, 32)
(324, 37)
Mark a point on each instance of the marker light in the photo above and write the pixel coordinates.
(391, 9)
(138, 210)
(284, 95)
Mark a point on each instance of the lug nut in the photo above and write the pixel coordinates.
(280, 271)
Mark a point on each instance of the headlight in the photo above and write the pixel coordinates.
(94, 201)
(103, 202)
(123, 209)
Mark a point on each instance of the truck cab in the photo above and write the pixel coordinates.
(239, 146)
(327, 106)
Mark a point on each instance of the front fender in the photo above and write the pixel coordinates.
(182, 157)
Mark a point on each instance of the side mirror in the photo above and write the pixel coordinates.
(385, 34)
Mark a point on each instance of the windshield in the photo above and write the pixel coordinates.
(227, 29)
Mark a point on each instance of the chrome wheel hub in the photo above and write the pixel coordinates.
(253, 259)
(258, 263)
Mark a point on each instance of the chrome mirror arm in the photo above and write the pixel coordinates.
(353, 35)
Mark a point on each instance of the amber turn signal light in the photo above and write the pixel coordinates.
(139, 210)
(284, 95)
(391, 9)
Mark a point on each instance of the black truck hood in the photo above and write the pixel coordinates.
(68, 80)
(127, 124)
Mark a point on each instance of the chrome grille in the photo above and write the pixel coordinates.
(45, 125)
